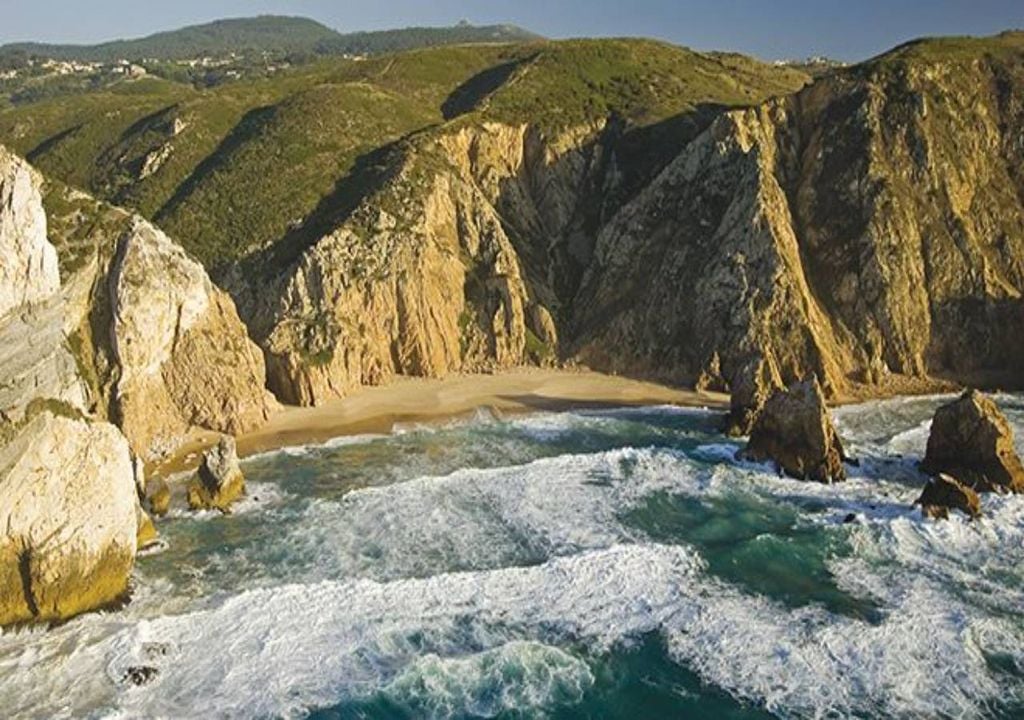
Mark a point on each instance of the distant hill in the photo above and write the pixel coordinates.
(373, 43)
(271, 34)
(266, 33)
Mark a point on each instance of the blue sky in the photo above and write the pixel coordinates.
(767, 28)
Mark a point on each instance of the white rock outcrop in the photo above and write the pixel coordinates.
(185, 358)
(29, 270)
(67, 519)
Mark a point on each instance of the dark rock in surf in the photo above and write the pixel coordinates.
(795, 431)
(944, 493)
(971, 440)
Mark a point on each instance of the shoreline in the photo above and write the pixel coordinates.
(377, 409)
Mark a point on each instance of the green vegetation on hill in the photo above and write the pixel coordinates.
(236, 168)
(267, 34)
(392, 41)
(271, 34)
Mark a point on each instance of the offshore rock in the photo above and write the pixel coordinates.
(219, 481)
(944, 493)
(68, 520)
(795, 431)
(972, 440)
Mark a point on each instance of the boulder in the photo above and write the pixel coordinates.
(944, 493)
(219, 481)
(795, 431)
(68, 518)
(749, 390)
(971, 440)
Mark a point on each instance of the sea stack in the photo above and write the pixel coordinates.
(972, 441)
(219, 481)
(795, 431)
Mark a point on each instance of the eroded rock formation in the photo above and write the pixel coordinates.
(68, 519)
(219, 481)
(944, 493)
(184, 356)
(972, 441)
(794, 431)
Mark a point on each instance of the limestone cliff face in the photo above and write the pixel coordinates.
(184, 357)
(34, 361)
(134, 332)
(870, 226)
(447, 268)
(28, 262)
(67, 519)
(868, 229)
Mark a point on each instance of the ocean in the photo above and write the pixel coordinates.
(584, 564)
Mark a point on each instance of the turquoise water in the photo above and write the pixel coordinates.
(587, 564)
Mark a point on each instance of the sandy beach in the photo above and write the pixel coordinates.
(408, 400)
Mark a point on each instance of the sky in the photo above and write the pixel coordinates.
(769, 29)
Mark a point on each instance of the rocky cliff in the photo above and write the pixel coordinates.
(136, 333)
(183, 356)
(34, 359)
(868, 229)
(869, 226)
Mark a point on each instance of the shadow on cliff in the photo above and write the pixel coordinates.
(468, 96)
(979, 342)
(556, 243)
(250, 126)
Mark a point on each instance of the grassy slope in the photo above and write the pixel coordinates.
(258, 156)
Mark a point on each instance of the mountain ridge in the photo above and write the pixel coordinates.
(266, 33)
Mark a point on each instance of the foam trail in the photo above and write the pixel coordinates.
(275, 652)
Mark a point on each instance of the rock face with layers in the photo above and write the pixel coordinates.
(944, 493)
(869, 228)
(184, 356)
(839, 231)
(34, 361)
(424, 278)
(219, 481)
(794, 430)
(28, 262)
(68, 519)
(971, 440)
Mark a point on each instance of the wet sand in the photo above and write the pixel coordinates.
(412, 400)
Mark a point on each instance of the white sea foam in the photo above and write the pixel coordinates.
(397, 622)
(517, 676)
(274, 652)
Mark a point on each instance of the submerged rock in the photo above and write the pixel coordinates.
(220, 481)
(68, 519)
(971, 440)
(795, 431)
(944, 493)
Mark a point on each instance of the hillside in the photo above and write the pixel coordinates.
(636, 206)
(269, 33)
(266, 34)
(251, 161)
